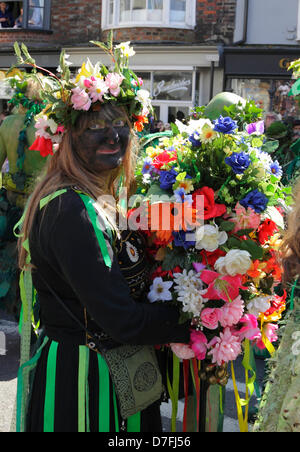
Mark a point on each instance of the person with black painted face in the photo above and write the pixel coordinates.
(95, 152)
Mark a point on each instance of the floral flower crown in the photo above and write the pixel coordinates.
(93, 86)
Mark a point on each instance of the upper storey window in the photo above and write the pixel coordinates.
(28, 14)
(149, 13)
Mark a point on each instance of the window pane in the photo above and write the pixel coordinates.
(270, 95)
(172, 86)
(181, 113)
(178, 11)
(125, 11)
(9, 13)
(139, 11)
(36, 13)
(110, 12)
(155, 10)
(138, 4)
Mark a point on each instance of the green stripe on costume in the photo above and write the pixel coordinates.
(104, 395)
(89, 205)
(83, 418)
(49, 408)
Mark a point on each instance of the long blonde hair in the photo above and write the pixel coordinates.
(64, 169)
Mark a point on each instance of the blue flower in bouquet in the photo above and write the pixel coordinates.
(239, 162)
(167, 179)
(181, 238)
(225, 125)
(256, 200)
(195, 139)
(275, 169)
(148, 167)
(181, 196)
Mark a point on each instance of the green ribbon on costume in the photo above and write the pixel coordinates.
(26, 367)
(117, 427)
(104, 399)
(47, 199)
(49, 407)
(89, 205)
(173, 390)
(134, 423)
(83, 418)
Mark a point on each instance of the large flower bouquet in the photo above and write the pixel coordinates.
(212, 210)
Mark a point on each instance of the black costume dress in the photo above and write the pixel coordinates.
(65, 252)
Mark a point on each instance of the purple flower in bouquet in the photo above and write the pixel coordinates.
(256, 200)
(180, 239)
(275, 169)
(225, 125)
(147, 168)
(239, 162)
(181, 196)
(195, 140)
(167, 179)
(256, 127)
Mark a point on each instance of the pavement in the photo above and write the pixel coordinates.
(9, 362)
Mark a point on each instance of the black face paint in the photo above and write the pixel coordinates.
(102, 146)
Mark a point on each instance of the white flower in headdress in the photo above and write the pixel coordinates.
(126, 50)
(43, 123)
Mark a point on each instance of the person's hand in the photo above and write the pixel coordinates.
(3, 19)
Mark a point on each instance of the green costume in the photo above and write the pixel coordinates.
(16, 185)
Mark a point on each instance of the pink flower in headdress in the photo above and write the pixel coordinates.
(114, 81)
(80, 99)
(227, 348)
(231, 313)
(97, 89)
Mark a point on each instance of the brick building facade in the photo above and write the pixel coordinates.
(177, 42)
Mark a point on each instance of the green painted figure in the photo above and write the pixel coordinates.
(20, 168)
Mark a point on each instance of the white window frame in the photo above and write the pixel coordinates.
(190, 19)
(298, 24)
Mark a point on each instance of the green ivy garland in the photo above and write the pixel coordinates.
(33, 108)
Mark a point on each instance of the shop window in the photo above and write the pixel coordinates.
(28, 14)
(167, 13)
(270, 95)
(170, 86)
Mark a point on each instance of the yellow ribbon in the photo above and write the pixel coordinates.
(240, 403)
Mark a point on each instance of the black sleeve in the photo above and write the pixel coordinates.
(102, 290)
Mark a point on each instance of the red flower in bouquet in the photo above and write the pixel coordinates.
(159, 273)
(209, 258)
(164, 158)
(139, 123)
(272, 267)
(210, 208)
(278, 305)
(266, 230)
(43, 145)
